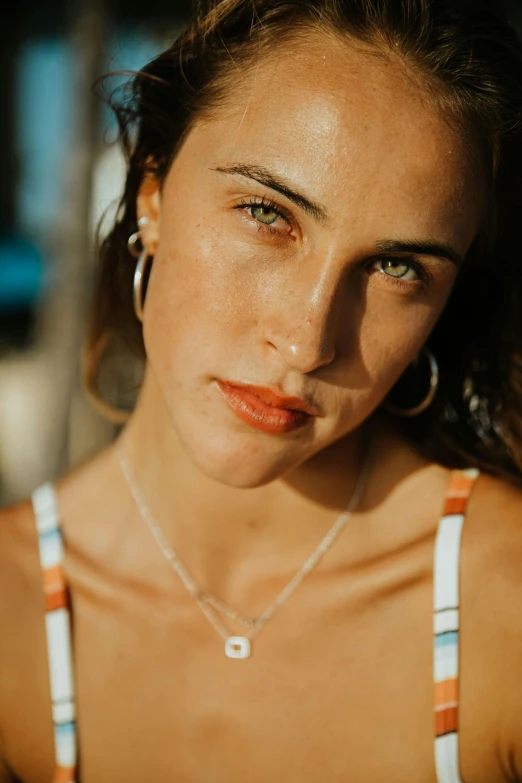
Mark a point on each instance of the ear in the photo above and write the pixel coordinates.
(148, 205)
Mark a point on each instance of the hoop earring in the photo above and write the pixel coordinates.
(426, 402)
(137, 289)
(132, 241)
(142, 256)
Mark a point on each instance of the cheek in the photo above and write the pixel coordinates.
(196, 299)
(392, 334)
(389, 335)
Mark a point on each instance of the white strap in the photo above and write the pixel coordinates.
(446, 632)
(58, 630)
(45, 506)
(446, 567)
(447, 759)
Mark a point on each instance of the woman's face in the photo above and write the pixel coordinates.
(306, 240)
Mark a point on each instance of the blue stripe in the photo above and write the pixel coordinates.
(447, 638)
(65, 728)
(49, 534)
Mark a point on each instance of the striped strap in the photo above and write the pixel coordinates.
(58, 631)
(446, 624)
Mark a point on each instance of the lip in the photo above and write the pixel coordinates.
(265, 409)
(272, 398)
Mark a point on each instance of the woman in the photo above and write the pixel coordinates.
(324, 197)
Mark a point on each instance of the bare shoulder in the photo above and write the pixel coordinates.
(495, 516)
(24, 687)
(24, 672)
(19, 563)
(19, 567)
(17, 531)
(26, 728)
(492, 593)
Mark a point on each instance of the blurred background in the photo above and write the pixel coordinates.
(60, 173)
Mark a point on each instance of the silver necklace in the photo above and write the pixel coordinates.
(238, 646)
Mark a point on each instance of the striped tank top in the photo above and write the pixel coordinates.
(445, 629)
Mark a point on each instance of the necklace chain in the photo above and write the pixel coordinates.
(206, 600)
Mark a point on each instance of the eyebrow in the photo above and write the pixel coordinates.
(421, 247)
(265, 177)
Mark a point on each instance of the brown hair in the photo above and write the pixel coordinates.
(469, 60)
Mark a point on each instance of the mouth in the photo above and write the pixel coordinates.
(265, 409)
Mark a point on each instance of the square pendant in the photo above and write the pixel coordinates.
(237, 647)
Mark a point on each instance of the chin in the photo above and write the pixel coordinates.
(241, 477)
(242, 461)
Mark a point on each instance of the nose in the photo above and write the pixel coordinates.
(302, 326)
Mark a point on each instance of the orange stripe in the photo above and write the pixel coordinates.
(53, 579)
(458, 492)
(63, 775)
(446, 691)
(446, 720)
(454, 505)
(460, 484)
(57, 600)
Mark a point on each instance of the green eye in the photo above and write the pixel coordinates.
(264, 214)
(397, 267)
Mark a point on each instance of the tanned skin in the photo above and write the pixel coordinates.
(345, 152)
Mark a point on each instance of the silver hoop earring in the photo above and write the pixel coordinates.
(426, 402)
(142, 256)
(132, 241)
(132, 244)
(138, 298)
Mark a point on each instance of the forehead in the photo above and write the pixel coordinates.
(341, 120)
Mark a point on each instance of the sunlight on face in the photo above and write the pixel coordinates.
(307, 240)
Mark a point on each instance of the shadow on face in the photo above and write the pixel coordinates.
(306, 239)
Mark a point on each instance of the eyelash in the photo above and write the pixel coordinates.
(267, 204)
(425, 278)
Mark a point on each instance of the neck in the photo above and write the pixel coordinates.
(220, 530)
